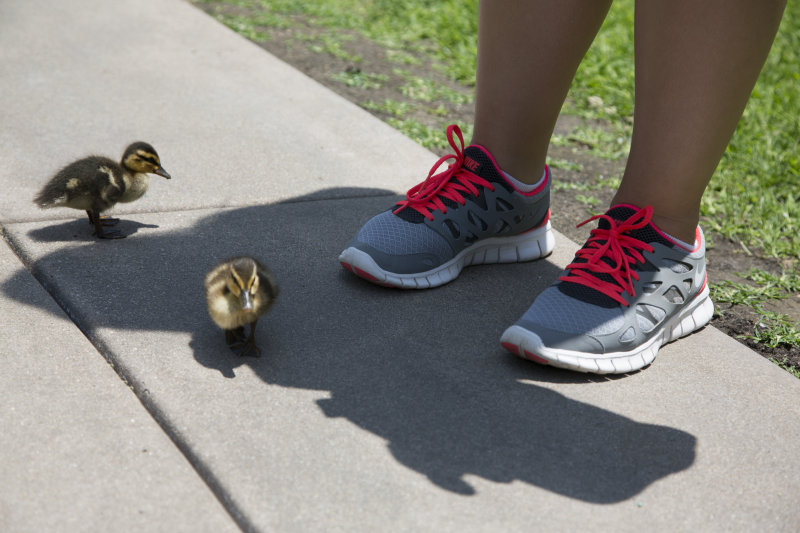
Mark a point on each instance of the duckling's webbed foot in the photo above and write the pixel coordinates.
(103, 219)
(250, 349)
(99, 222)
(245, 347)
(106, 220)
(234, 337)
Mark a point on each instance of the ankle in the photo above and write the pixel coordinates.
(683, 230)
(524, 186)
(519, 162)
(676, 221)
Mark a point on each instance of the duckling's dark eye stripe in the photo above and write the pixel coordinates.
(253, 278)
(148, 158)
(237, 279)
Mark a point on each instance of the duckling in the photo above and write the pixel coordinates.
(238, 292)
(96, 183)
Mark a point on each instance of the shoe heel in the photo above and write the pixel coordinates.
(699, 316)
(540, 244)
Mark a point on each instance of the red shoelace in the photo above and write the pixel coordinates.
(611, 251)
(452, 183)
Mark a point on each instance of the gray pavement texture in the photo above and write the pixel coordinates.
(370, 409)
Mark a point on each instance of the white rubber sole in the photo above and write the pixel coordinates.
(526, 246)
(528, 345)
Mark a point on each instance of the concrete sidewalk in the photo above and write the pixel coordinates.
(371, 409)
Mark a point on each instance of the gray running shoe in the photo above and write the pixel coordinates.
(466, 215)
(629, 290)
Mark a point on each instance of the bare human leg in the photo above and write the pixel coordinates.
(528, 53)
(696, 64)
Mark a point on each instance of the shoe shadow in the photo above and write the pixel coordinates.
(422, 370)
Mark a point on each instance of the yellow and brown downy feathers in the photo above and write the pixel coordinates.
(95, 183)
(238, 292)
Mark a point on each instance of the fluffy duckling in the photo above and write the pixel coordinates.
(96, 183)
(238, 292)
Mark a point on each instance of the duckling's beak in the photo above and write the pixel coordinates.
(161, 172)
(247, 302)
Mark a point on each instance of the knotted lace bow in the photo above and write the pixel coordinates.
(451, 184)
(611, 251)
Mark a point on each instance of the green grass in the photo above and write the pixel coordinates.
(443, 29)
(402, 57)
(423, 90)
(741, 294)
(390, 107)
(773, 329)
(607, 71)
(787, 281)
(587, 199)
(612, 142)
(599, 182)
(766, 287)
(564, 164)
(245, 27)
(426, 136)
(362, 80)
(332, 45)
(784, 364)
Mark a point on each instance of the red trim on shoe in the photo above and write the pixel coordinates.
(541, 225)
(536, 358)
(534, 192)
(364, 275)
(705, 282)
(360, 273)
(698, 240)
(513, 348)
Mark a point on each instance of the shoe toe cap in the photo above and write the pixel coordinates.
(401, 247)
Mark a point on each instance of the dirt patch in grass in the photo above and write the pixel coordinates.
(392, 86)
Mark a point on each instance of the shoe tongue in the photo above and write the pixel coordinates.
(648, 234)
(621, 213)
(476, 159)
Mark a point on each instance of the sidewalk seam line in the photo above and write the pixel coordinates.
(388, 194)
(205, 473)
